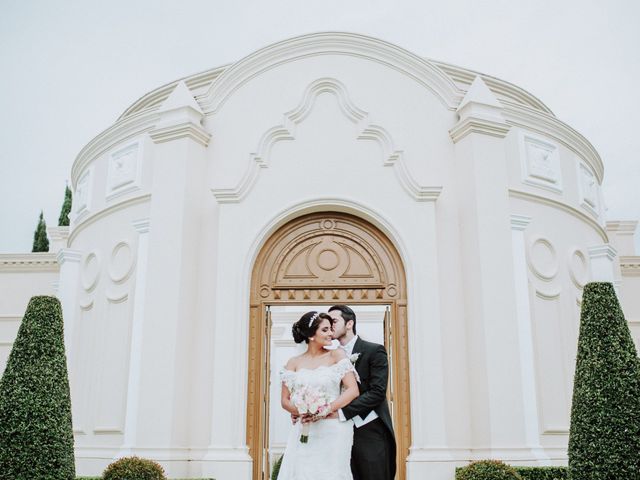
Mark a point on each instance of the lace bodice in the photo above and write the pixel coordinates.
(326, 378)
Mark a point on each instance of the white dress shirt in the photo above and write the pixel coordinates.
(357, 420)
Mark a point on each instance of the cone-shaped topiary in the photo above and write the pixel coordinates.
(604, 438)
(36, 436)
(63, 220)
(134, 468)
(276, 468)
(487, 470)
(40, 240)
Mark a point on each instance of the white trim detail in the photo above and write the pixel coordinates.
(540, 162)
(539, 271)
(588, 188)
(124, 171)
(418, 69)
(602, 262)
(137, 329)
(287, 130)
(525, 335)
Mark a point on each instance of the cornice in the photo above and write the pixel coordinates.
(58, 233)
(630, 266)
(484, 126)
(154, 99)
(561, 206)
(121, 131)
(68, 255)
(550, 126)
(519, 222)
(287, 131)
(182, 130)
(622, 227)
(416, 68)
(505, 91)
(28, 262)
(86, 221)
(602, 251)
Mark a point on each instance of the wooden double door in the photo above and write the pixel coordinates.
(310, 263)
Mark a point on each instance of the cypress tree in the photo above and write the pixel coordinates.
(40, 240)
(604, 438)
(63, 220)
(36, 436)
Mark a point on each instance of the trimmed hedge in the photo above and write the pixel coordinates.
(543, 473)
(487, 470)
(36, 435)
(604, 437)
(134, 468)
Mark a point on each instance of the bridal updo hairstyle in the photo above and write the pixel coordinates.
(302, 331)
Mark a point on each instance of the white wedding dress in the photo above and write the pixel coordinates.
(327, 454)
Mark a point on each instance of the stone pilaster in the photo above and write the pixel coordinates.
(166, 280)
(492, 302)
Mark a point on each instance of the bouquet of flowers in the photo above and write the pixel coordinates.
(310, 400)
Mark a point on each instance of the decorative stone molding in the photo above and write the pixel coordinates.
(58, 237)
(180, 117)
(480, 112)
(507, 93)
(416, 68)
(67, 255)
(540, 162)
(124, 130)
(520, 222)
(122, 262)
(602, 258)
(124, 170)
(142, 225)
(82, 195)
(90, 271)
(550, 127)
(287, 130)
(90, 220)
(605, 251)
(186, 130)
(630, 266)
(561, 206)
(154, 99)
(543, 259)
(26, 262)
(578, 266)
(622, 227)
(588, 188)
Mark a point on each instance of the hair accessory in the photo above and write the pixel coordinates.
(313, 318)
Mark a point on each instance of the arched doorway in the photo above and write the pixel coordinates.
(319, 259)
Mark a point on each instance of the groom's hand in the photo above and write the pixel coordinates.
(307, 418)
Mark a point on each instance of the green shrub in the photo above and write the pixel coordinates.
(134, 468)
(487, 470)
(543, 473)
(63, 220)
(276, 468)
(36, 436)
(40, 239)
(604, 437)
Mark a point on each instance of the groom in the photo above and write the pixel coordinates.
(373, 456)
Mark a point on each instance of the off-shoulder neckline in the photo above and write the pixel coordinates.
(317, 368)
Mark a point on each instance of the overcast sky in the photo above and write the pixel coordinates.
(70, 68)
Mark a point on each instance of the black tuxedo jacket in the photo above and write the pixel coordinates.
(373, 368)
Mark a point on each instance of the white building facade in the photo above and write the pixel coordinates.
(328, 168)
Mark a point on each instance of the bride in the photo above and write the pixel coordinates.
(327, 452)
